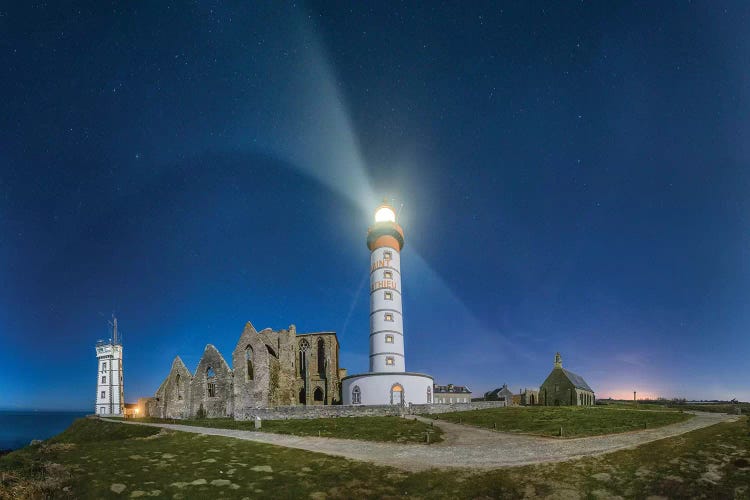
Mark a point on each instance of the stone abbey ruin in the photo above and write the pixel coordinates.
(269, 368)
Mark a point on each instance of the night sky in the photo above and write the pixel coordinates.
(574, 178)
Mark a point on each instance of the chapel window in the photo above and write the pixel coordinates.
(356, 395)
(104, 379)
(429, 394)
(177, 385)
(104, 394)
(318, 394)
(211, 389)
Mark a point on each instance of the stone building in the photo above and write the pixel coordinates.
(500, 394)
(450, 393)
(269, 368)
(565, 388)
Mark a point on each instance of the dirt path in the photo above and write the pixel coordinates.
(464, 446)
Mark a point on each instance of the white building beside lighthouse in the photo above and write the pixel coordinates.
(387, 382)
(110, 398)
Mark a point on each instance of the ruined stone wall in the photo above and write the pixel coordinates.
(201, 402)
(172, 399)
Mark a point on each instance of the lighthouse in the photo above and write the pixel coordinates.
(110, 399)
(387, 382)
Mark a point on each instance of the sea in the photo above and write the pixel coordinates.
(19, 427)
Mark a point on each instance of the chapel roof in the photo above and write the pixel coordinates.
(577, 381)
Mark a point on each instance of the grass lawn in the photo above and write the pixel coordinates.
(393, 429)
(575, 421)
(95, 459)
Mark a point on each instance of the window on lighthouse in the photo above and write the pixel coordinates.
(389, 361)
(388, 295)
(387, 275)
(388, 317)
(389, 339)
(387, 255)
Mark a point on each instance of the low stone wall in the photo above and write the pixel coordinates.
(335, 411)
(449, 407)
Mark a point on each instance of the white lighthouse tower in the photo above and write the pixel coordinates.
(388, 382)
(110, 398)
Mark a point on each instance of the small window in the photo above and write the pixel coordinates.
(104, 379)
(388, 317)
(389, 361)
(388, 275)
(102, 410)
(429, 394)
(387, 255)
(356, 395)
(211, 389)
(104, 366)
(104, 394)
(388, 295)
(389, 339)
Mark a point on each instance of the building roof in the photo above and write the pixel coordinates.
(577, 380)
(452, 389)
(503, 389)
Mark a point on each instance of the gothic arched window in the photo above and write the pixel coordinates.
(210, 382)
(356, 395)
(249, 362)
(304, 347)
(429, 394)
(321, 358)
(177, 386)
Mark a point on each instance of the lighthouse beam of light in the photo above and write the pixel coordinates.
(308, 126)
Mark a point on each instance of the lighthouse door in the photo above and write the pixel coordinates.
(397, 394)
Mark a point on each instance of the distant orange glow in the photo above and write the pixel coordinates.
(628, 395)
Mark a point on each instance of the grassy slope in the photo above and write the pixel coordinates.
(394, 429)
(575, 421)
(714, 462)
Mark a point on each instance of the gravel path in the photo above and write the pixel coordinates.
(464, 446)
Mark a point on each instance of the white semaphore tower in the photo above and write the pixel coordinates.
(110, 398)
(388, 382)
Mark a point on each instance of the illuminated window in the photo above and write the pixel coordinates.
(388, 317)
(389, 339)
(388, 295)
(104, 394)
(387, 255)
(356, 395)
(104, 379)
(389, 361)
(388, 275)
